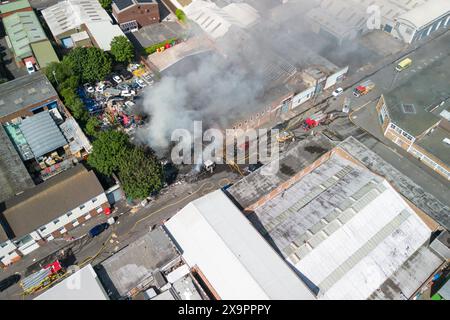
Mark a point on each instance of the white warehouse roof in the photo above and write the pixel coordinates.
(239, 264)
(82, 285)
(216, 21)
(346, 230)
(103, 33)
(422, 15)
(70, 14)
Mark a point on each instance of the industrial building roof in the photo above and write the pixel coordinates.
(44, 53)
(14, 177)
(342, 227)
(415, 104)
(424, 14)
(403, 184)
(434, 143)
(71, 14)
(103, 33)
(14, 6)
(42, 134)
(214, 236)
(136, 262)
(49, 200)
(23, 28)
(216, 21)
(124, 4)
(82, 285)
(25, 91)
(404, 282)
(251, 188)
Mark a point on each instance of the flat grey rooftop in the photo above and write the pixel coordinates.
(14, 177)
(158, 32)
(25, 91)
(410, 276)
(256, 185)
(135, 263)
(411, 103)
(434, 144)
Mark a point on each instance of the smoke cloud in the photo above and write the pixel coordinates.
(221, 88)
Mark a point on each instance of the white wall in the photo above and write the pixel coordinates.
(7, 251)
(75, 213)
(331, 80)
(302, 97)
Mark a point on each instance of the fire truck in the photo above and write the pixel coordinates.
(363, 88)
(42, 278)
(315, 120)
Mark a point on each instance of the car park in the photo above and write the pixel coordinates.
(127, 93)
(101, 86)
(127, 75)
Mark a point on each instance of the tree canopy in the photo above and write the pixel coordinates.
(109, 150)
(88, 64)
(140, 174)
(106, 4)
(122, 49)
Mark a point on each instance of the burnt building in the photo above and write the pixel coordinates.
(134, 14)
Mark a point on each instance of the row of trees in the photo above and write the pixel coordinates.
(139, 172)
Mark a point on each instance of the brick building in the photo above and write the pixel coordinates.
(134, 14)
(49, 210)
(416, 116)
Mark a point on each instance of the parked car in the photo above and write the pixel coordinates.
(95, 231)
(147, 77)
(117, 79)
(337, 92)
(8, 282)
(127, 75)
(127, 93)
(89, 88)
(30, 67)
(101, 86)
(141, 83)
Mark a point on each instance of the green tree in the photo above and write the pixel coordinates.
(97, 66)
(92, 126)
(57, 73)
(106, 4)
(108, 151)
(140, 174)
(75, 60)
(180, 15)
(122, 49)
(89, 64)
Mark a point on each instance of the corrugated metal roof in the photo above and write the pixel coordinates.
(42, 133)
(22, 29)
(13, 6)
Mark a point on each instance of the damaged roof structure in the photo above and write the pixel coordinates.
(340, 221)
